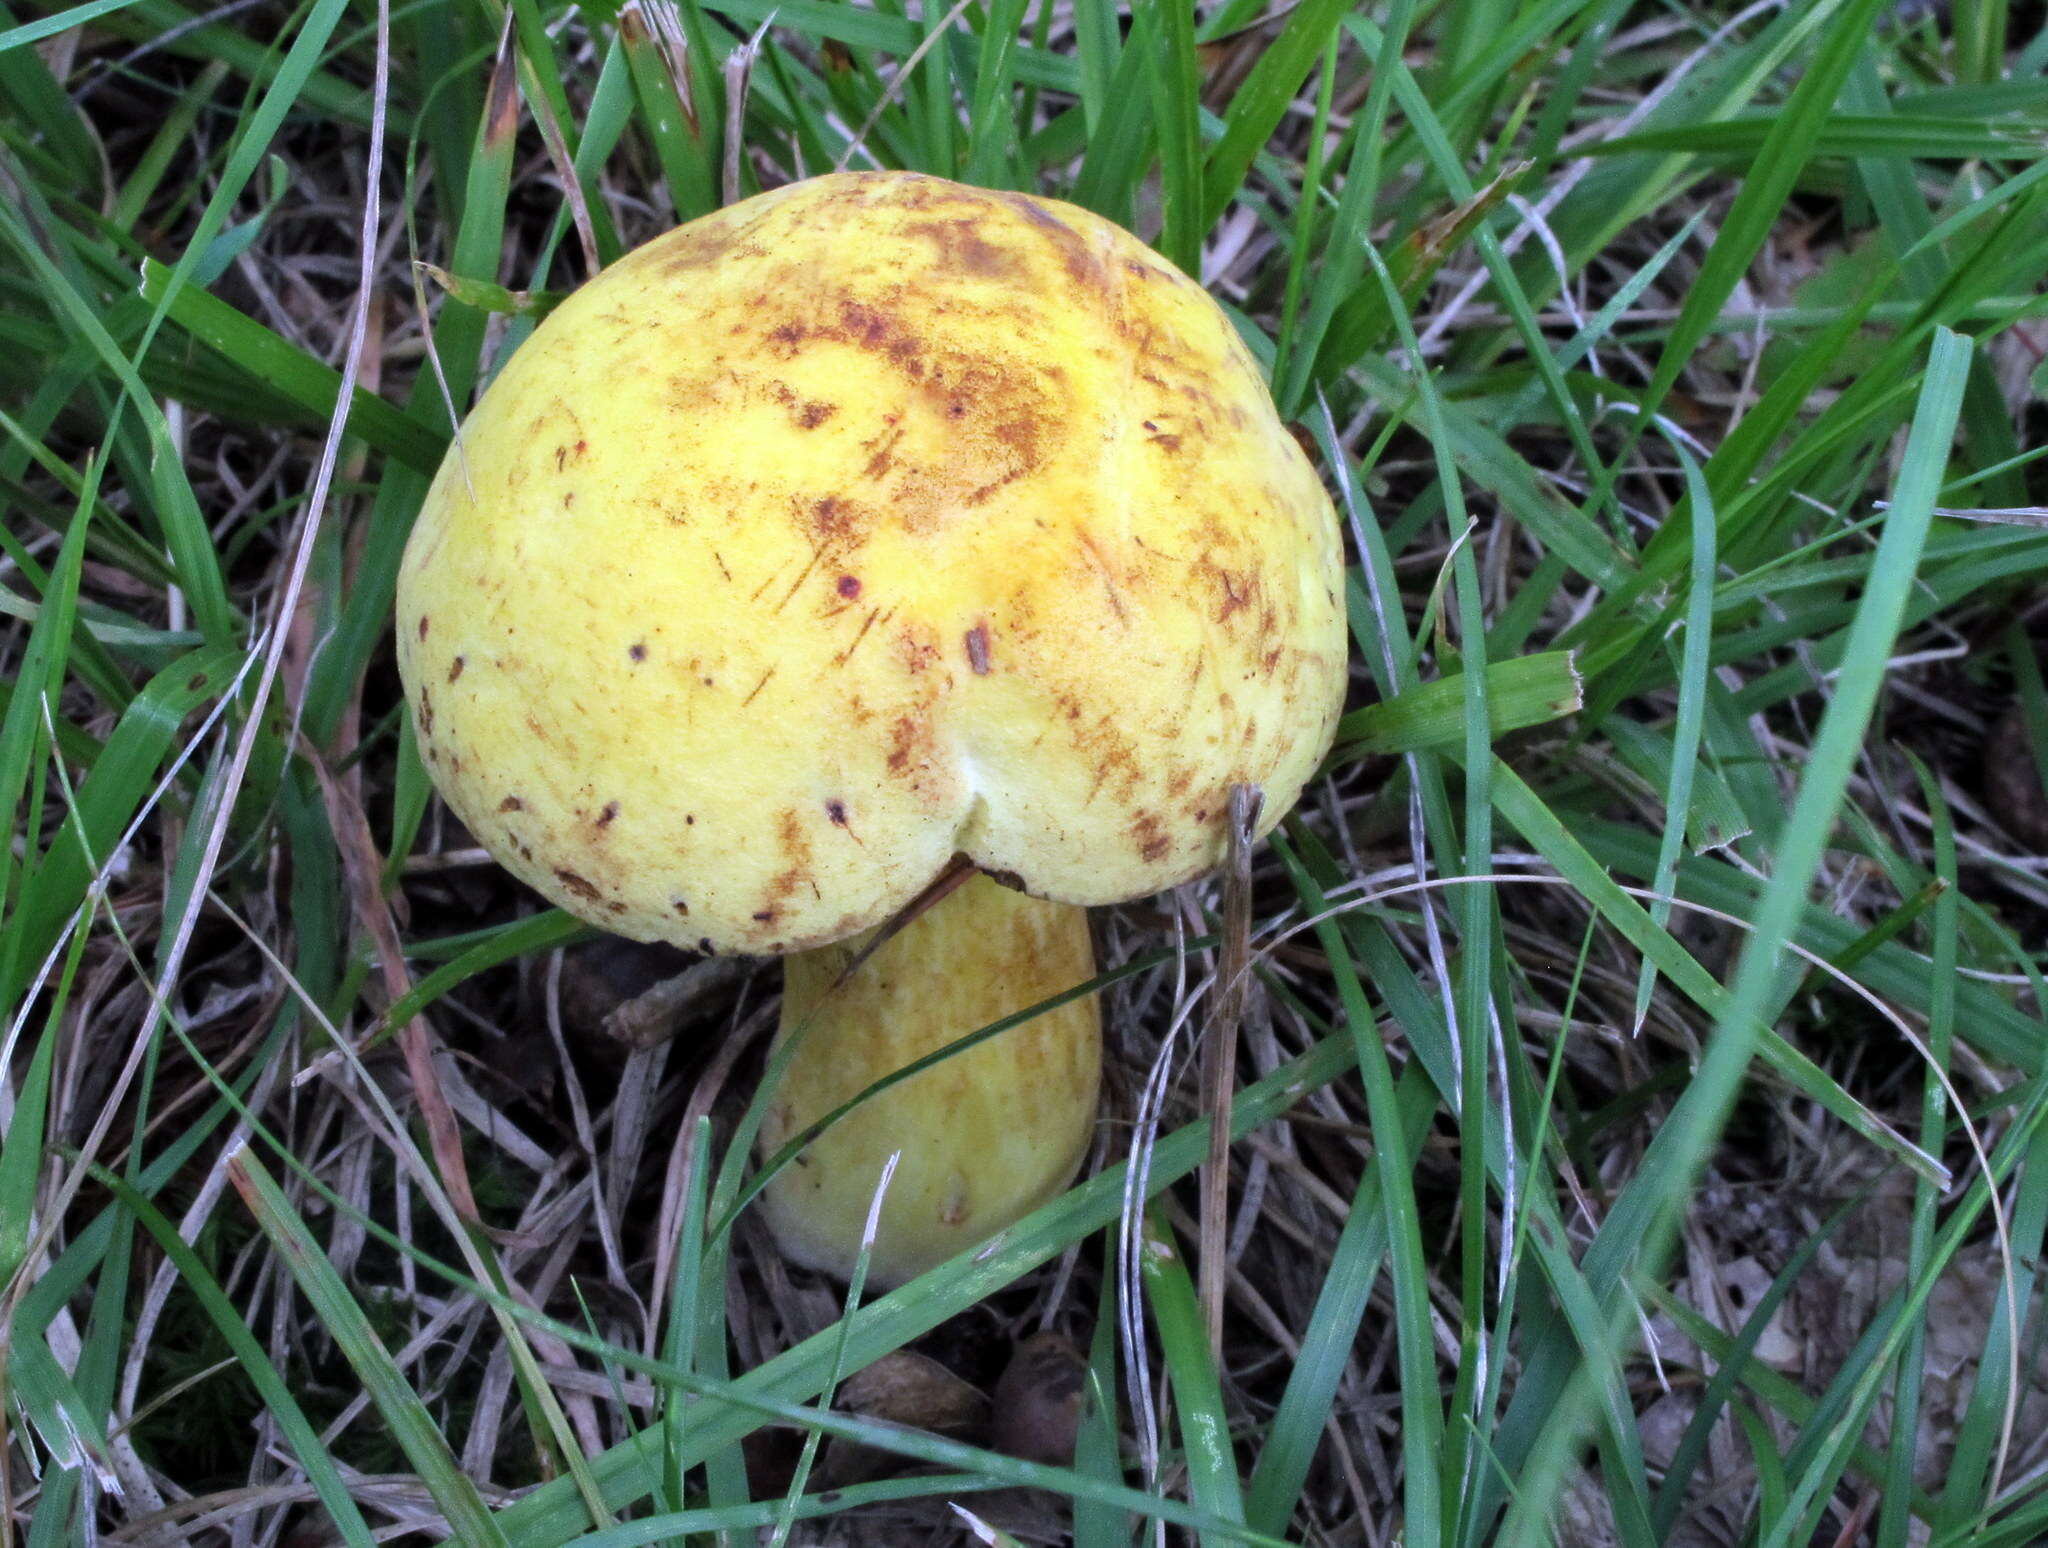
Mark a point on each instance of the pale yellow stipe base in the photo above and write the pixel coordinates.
(988, 1135)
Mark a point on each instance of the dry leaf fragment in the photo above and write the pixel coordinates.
(1039, 1400)
(909, 1389)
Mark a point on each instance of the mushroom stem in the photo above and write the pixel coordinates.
(987, 1135)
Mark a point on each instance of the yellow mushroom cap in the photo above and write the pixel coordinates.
(865, 522)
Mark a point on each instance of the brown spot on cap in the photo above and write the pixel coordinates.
(849, 586)
(577, 885)
(512, 804)
(423, 625)
(611, 810)
(977, 649)
(834, 520)
(455, 668)
(862, 327)
(679, 906)
(916, 649)
(1035, 212)
(637, 650)
(811, 415)
(1232, 598)
(1080, 263)
(699, 244)
(836, 810)
(906, 740)
(765, 916)
(1151, 837)
(961, 246)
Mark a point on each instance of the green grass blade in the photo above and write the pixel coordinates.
(1422, 1413)
(1785, 148)
(1692, 678)
(1289, 1446)
(38, 681)
(1644, 1217)
(1164, 35)
(992, 151)
(299, 1433)
(1895, 1517)
(288, 370)
(679, 1338)
(1523, 692)
(410, 1422)
(1260, 103)
(1098, 1444)
(1197, 1388)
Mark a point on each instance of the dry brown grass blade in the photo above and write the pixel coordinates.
(565, 169)
(739, 75)
(362, 866)
(501, 115)
(855, 145)
(1219, 1055)
(362, 869)
(952, 876)
(657, 19)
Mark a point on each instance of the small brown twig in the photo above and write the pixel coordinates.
(1219, 1053)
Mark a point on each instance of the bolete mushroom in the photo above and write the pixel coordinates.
(863, 525)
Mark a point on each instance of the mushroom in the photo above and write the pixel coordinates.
(866, 524)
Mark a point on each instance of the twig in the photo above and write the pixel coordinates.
(1219, 1054)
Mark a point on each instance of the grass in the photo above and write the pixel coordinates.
(1668, 920)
